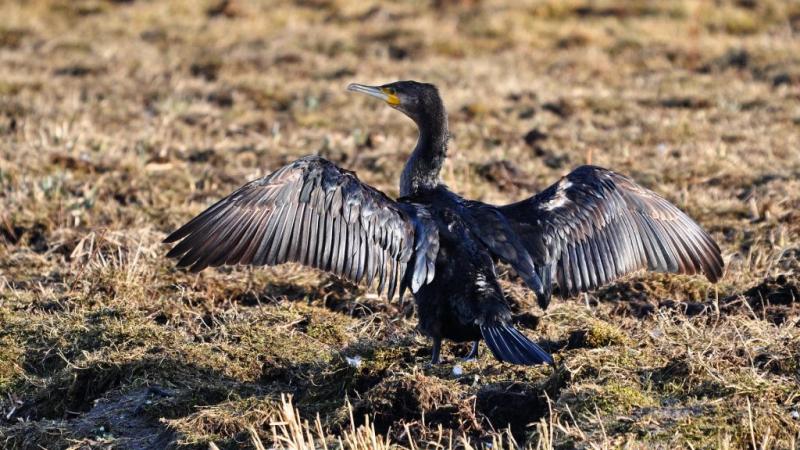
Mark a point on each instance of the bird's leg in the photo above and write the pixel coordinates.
(437, 347)
(473, 353)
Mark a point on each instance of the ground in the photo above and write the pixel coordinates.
(120, 120)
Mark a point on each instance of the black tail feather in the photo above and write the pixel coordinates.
(508, 344)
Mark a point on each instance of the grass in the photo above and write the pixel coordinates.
(121, 120)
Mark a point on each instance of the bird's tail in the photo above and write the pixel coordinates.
(509, 345)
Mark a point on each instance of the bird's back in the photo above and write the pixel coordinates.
(465, 290)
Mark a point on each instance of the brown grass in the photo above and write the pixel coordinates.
(119, 120)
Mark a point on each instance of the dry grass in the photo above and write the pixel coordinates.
(119, 120)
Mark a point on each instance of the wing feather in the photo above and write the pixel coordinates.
(595, 225)
(314, 213)
(249, 223)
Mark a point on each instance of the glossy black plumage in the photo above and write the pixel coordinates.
(594, 225)
(586, 230)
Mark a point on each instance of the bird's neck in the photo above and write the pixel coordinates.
(421, 172)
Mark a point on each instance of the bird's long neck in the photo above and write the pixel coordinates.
(421, 172)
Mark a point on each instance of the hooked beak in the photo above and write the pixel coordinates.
(382, 93)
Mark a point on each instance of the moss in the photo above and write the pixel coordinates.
(707, 430)
(603, 334)
(328, 328)
(614, 397)
(382, 358)
(626, 397)
(598, 334)
(11, 353)
(698, 425)
(293, 334)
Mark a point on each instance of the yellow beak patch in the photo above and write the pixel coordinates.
(391, 97)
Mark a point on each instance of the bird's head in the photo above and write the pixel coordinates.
(419, 101)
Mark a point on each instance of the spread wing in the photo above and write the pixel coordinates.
(313, 213)
(595, 225)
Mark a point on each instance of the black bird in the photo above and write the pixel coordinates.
(586, 230)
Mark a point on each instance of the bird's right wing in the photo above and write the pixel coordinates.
(314, 213)
(595, 225)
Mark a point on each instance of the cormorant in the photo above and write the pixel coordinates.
(587, 229)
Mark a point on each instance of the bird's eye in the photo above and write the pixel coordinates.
(389, 91)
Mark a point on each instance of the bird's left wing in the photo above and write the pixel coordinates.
(314, 213)
(595, 225)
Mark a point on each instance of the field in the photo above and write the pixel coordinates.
(120, 120)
